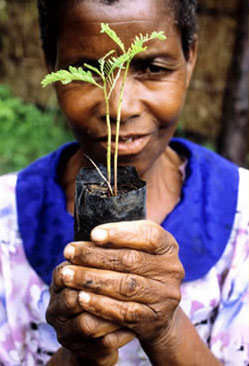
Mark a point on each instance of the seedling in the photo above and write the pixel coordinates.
(109, 71)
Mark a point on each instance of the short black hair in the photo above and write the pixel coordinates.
(50, 11)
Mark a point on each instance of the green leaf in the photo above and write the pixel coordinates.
(102, 61)
(137, 45)
(66, 77)
(82, 75)
(115, 63)
(94, 69)
(158, 35)
(113, 35)
(62, 75)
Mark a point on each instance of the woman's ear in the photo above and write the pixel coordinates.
(192, 57)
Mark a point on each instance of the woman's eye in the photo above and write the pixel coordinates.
(151, 70)
(155, 69)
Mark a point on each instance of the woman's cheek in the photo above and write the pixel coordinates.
(77, 101)
(167, 99)
(168, 109)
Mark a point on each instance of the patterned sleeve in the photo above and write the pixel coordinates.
(230, 333)
(25, 337)
(8, 355)
(6, 345)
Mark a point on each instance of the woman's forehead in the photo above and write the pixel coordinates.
(80, 33)
(122, 11)
(142, 15)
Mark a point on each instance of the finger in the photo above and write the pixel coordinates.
(80, 331)
(57, 284)
(107, 344)
(64, 304)
(141, 235)
(117, 339)
(125, 313)
(121, 260)
(94, 327)
(118, 285)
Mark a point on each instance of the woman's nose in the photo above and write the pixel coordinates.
(131, 103)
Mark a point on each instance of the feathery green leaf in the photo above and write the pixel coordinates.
(66, 77)
(137, 45)
(159, 35)
(113, 35)
(115, 63)
(94, 69)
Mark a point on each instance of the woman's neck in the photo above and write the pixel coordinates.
(164, 185)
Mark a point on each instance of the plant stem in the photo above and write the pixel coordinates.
(117, 128)
(109, 135)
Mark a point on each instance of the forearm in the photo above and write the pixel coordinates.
(183, 347)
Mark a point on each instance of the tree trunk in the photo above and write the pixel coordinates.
(233, 139)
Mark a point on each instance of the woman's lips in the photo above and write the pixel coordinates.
(128, 145)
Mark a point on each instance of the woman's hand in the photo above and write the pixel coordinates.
(87, 336)
(129, 275)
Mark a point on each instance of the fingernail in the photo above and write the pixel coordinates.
(69, 252)
(67, 274)
(99, 234)
(84, 297)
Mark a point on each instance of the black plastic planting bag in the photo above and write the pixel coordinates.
(93, 206)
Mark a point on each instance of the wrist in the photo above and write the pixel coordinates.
(167, 339)
(174, 346)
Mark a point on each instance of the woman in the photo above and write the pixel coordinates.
(124, 303)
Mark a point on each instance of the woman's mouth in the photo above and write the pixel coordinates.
(128, 145)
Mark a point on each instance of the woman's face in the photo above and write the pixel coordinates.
(156, 84)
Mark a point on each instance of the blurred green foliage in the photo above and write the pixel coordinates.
(26, 132)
